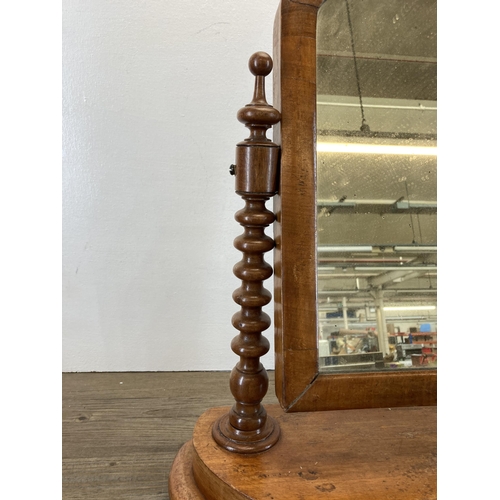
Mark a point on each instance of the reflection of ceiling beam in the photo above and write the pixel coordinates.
(388, 291)
(397, 268)
(365, 258)
(416, 248)
(378, 57)
(336, 277)
(335, 306)
(344, 248)
(325, 132)
(374, 253)
(409, 276)
(391, 276)
(344, 275)
(379, 206)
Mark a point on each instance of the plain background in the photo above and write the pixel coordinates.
(150, 94)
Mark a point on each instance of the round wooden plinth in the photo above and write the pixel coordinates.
(181, 483)
(379, 454)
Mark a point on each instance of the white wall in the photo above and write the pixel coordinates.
(150, 94)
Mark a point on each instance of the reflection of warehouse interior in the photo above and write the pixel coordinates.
(377, 313)
(377, 186)
(377, 261)
(377, 238)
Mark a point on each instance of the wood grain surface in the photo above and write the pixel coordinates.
(181, 481)
(374, 454)
(121, 431)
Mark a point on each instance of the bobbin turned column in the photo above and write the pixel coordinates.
(247, 428)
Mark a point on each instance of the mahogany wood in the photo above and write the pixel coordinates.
(247, 428)
(299, 384)
(377, 454)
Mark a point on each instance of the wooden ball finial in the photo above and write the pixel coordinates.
(258, 115)
(260, 64)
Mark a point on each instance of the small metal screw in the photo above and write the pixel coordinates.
(232, 169)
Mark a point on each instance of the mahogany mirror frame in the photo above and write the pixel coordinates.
(300, 386)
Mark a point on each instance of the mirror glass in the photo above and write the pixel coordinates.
(376, 185)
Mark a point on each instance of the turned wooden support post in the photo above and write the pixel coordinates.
(247, 428)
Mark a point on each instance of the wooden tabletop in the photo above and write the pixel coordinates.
(387, 453)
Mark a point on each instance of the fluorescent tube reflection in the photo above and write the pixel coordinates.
(381, 149)
(409, 308)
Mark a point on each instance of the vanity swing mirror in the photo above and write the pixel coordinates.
(352, 173)
(356, 244)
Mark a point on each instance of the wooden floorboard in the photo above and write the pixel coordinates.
(121, 431)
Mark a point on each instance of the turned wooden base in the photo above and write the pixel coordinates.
(232, 439)
(349, 454)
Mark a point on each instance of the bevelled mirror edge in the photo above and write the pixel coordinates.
(300, 386)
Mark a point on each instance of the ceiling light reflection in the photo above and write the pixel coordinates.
(381, 149)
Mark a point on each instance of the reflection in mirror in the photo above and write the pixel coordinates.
(376, 185)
